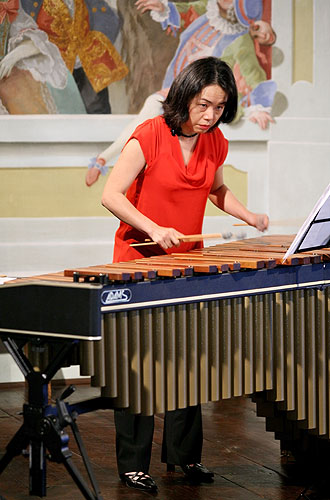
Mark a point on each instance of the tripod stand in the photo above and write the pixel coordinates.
(43, 425)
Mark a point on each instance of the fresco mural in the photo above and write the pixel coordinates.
(67, 53)
(33, 75)
(60, 52)
(84, 31)
(64, 56)
(234, 30)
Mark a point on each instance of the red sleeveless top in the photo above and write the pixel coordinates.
(167, 191)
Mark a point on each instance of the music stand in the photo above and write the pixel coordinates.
(315, 231)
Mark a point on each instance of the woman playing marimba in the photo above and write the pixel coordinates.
(158, 189)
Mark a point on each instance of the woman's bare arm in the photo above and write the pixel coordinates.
(125, 171)
(223, 198)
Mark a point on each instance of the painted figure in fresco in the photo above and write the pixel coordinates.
(84, 31)
(230, 29)
(33, 75)
(233, 35)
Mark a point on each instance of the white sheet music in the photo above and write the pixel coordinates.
(318, 234)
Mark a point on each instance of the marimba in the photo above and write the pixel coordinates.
(173, 331)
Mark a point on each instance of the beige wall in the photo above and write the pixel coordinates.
(62, 192)
(303, 40)
(49, 192)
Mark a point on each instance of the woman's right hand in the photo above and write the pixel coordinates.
(166, 237)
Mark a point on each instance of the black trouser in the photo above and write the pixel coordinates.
(182, 439)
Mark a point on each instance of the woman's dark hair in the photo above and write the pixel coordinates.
(190, 82)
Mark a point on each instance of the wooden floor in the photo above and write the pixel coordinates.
(245, 458)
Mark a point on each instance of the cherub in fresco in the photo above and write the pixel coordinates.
(228, 29)
(33, 75)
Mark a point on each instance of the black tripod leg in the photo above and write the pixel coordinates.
(16, 445)
(66, 418)
(56, 442)
(85, 458)
(76, 476)
(37, 470)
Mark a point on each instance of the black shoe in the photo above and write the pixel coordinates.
(139, 480)
(198, 473)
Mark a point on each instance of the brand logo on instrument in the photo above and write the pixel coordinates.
(115, 296)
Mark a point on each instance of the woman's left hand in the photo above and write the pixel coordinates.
(261, 222)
